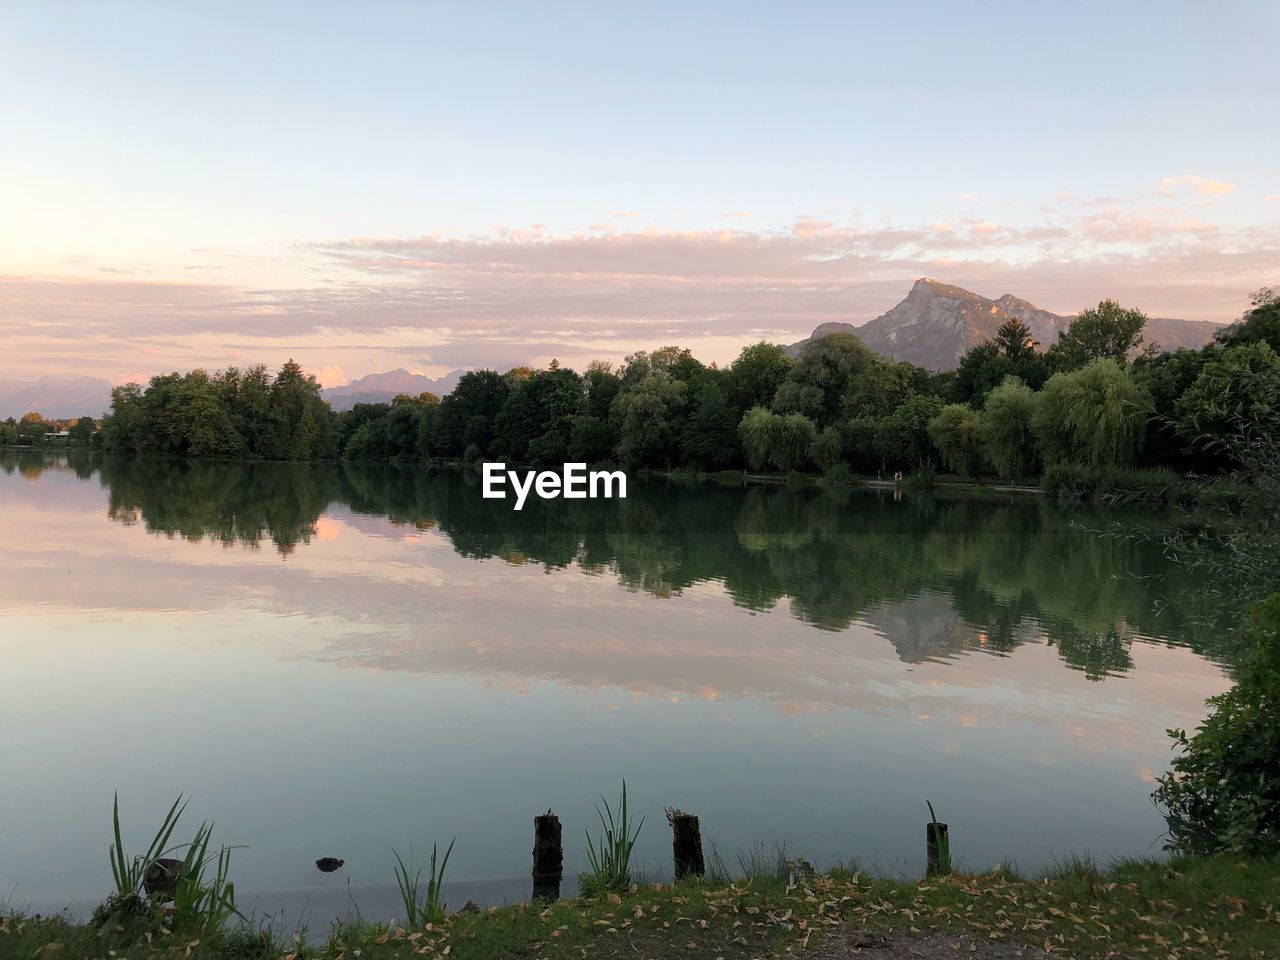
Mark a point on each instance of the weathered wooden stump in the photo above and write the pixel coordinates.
(548, 857)
(686, 844)
(162, 877)
(937, 849)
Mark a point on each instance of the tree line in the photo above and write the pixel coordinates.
(1096, 400)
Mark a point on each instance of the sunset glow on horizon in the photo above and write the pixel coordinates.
(431, 187)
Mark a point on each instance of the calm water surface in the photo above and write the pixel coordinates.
(345, 660)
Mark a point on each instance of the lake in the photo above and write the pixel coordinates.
(339, 660)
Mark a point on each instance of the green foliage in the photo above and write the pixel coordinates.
(1236, 386)
(1075, 481)
(942, 842)
(200, 903)
(816, 385)
(1094, 416)
(129, 872)
(1260, 324)
(648, 419)
(610, 860)
(793, 437)
(1105, 332)
(754, 377)
(903, 438)
(826, 449)
(756, 431)
(423, 906)
(711, 437)
(957, 434)
(82, 432)
(1223, 791)
(1007, 437)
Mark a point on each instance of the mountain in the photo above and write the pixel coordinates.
(384, 387)
(57, 397)
(938, 322)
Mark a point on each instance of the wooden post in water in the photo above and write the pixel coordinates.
(937, 849)
(686, 844)
(548, 857)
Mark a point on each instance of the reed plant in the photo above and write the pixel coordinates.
(128, 874)
(943, 843)
(610, 859)
(421, 908)
(199, 904)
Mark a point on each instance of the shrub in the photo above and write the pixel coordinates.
(840, 473)
(1069, 481)
(1074, 481)
(1223, 791)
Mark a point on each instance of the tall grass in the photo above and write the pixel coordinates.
(130, 874)
(198, 904)
(611, 859)
(421, 909)
(762, 862)
(943, 842)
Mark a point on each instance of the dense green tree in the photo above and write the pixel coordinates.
(1105, 332)
(369, 442)
(9, 433)
(880, 388)
(1095, 416)
(646, 415)
(541, 407)
(467, 414)
(982, 368)
(756, 431)
(1165, 377)
(710, 438)
(1014, 340)
(1260, 324)
(827, 448)
(903, 438)
(793, 437)
(754, 377)
(602, 386)
(124, 427)
(591, 440)
(83, 431)
(1007, 437)
(956, 432)
(817, 383)
(1238, 387)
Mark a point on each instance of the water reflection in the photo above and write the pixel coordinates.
(1008, 570)
(365, 657)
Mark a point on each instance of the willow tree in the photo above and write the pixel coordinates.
(957, 433)
(755, 430)
(1007, 439)
(1095, 416)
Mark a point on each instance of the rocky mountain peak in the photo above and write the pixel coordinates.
(937, 322)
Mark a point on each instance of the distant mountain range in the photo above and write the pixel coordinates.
(938, 322)
(384, 387)
(59, 398)
(932, 327)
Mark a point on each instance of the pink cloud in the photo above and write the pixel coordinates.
(1203, 186)
(520, 294)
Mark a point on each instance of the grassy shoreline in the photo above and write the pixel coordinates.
(1226, 907)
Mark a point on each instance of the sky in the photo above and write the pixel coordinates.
(372, 186)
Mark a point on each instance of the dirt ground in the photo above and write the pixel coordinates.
(927, 947)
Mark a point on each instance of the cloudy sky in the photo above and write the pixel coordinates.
(431, 185)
